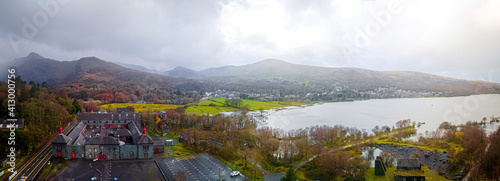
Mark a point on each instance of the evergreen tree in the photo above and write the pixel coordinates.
(290, 175)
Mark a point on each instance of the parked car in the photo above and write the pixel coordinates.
(235, 173)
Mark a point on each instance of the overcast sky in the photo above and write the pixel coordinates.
(455, 38)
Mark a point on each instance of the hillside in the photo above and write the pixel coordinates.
(90, 76)
(277, 71)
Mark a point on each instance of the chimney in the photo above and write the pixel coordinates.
(144, 130)
(60, 130)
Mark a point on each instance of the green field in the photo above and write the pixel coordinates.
(218, 105)
(202, 107)
(139, 107)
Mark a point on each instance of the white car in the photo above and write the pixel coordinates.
(235, 173)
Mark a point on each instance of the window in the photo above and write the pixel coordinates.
(90, 150)
(95, 150)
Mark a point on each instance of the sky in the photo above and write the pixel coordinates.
(454, 38)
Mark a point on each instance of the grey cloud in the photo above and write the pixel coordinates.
(165, 34)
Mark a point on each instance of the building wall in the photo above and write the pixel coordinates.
(59, 148)
(91, 151)
(102, 124)
(77, 149)
(160, 148)
(111, 151)
(145, 151)
(128, 152)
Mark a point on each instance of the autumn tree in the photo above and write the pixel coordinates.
(474, 142)
(387, 158)
(491, 162)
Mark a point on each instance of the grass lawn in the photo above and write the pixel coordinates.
(180, 151)
(389, 174)
(208, 109)
(218, 105)
(139, 107)
(457, 148)
(239, 165)
(301, 176)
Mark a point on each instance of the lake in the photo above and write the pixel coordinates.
(367, 114)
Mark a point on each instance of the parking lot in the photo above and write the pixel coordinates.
(109, 170)
(197, 167)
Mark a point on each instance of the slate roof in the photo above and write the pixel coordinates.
(80, 140)
(134, 130)
(77, 130)
(408, 164)
(145, 139)
(102, 140)
(61, 139)
(157, 142)
(125, 110)
(123, 133)
(109, 116)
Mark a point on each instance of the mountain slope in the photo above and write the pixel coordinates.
(277, 71)
(137, 67)
(89, 76)
(184, 72)
(269, 76)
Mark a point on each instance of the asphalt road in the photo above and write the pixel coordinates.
(30, 170)
(197, 167)
(105, 170)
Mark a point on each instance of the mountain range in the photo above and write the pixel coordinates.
(270, 74)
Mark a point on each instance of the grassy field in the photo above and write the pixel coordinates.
(456, 147)
(139, 107)
(218, 105)
(239, 165)
(208, 109)
(389, 174)
(180, 151)
(201, 107)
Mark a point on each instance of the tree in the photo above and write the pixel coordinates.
(290, 175)
(387, 158)
(474, 142)
(491, 164)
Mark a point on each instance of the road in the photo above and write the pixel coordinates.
(254, 163)
(197, 167)
(30, 170)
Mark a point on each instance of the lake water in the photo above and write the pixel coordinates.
(369, 113)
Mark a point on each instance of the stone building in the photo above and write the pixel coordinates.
(409, 170)
(105, 136)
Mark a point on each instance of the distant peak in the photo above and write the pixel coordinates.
(181, 68)
(272, 61)
(90, 59)
(34, 55)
